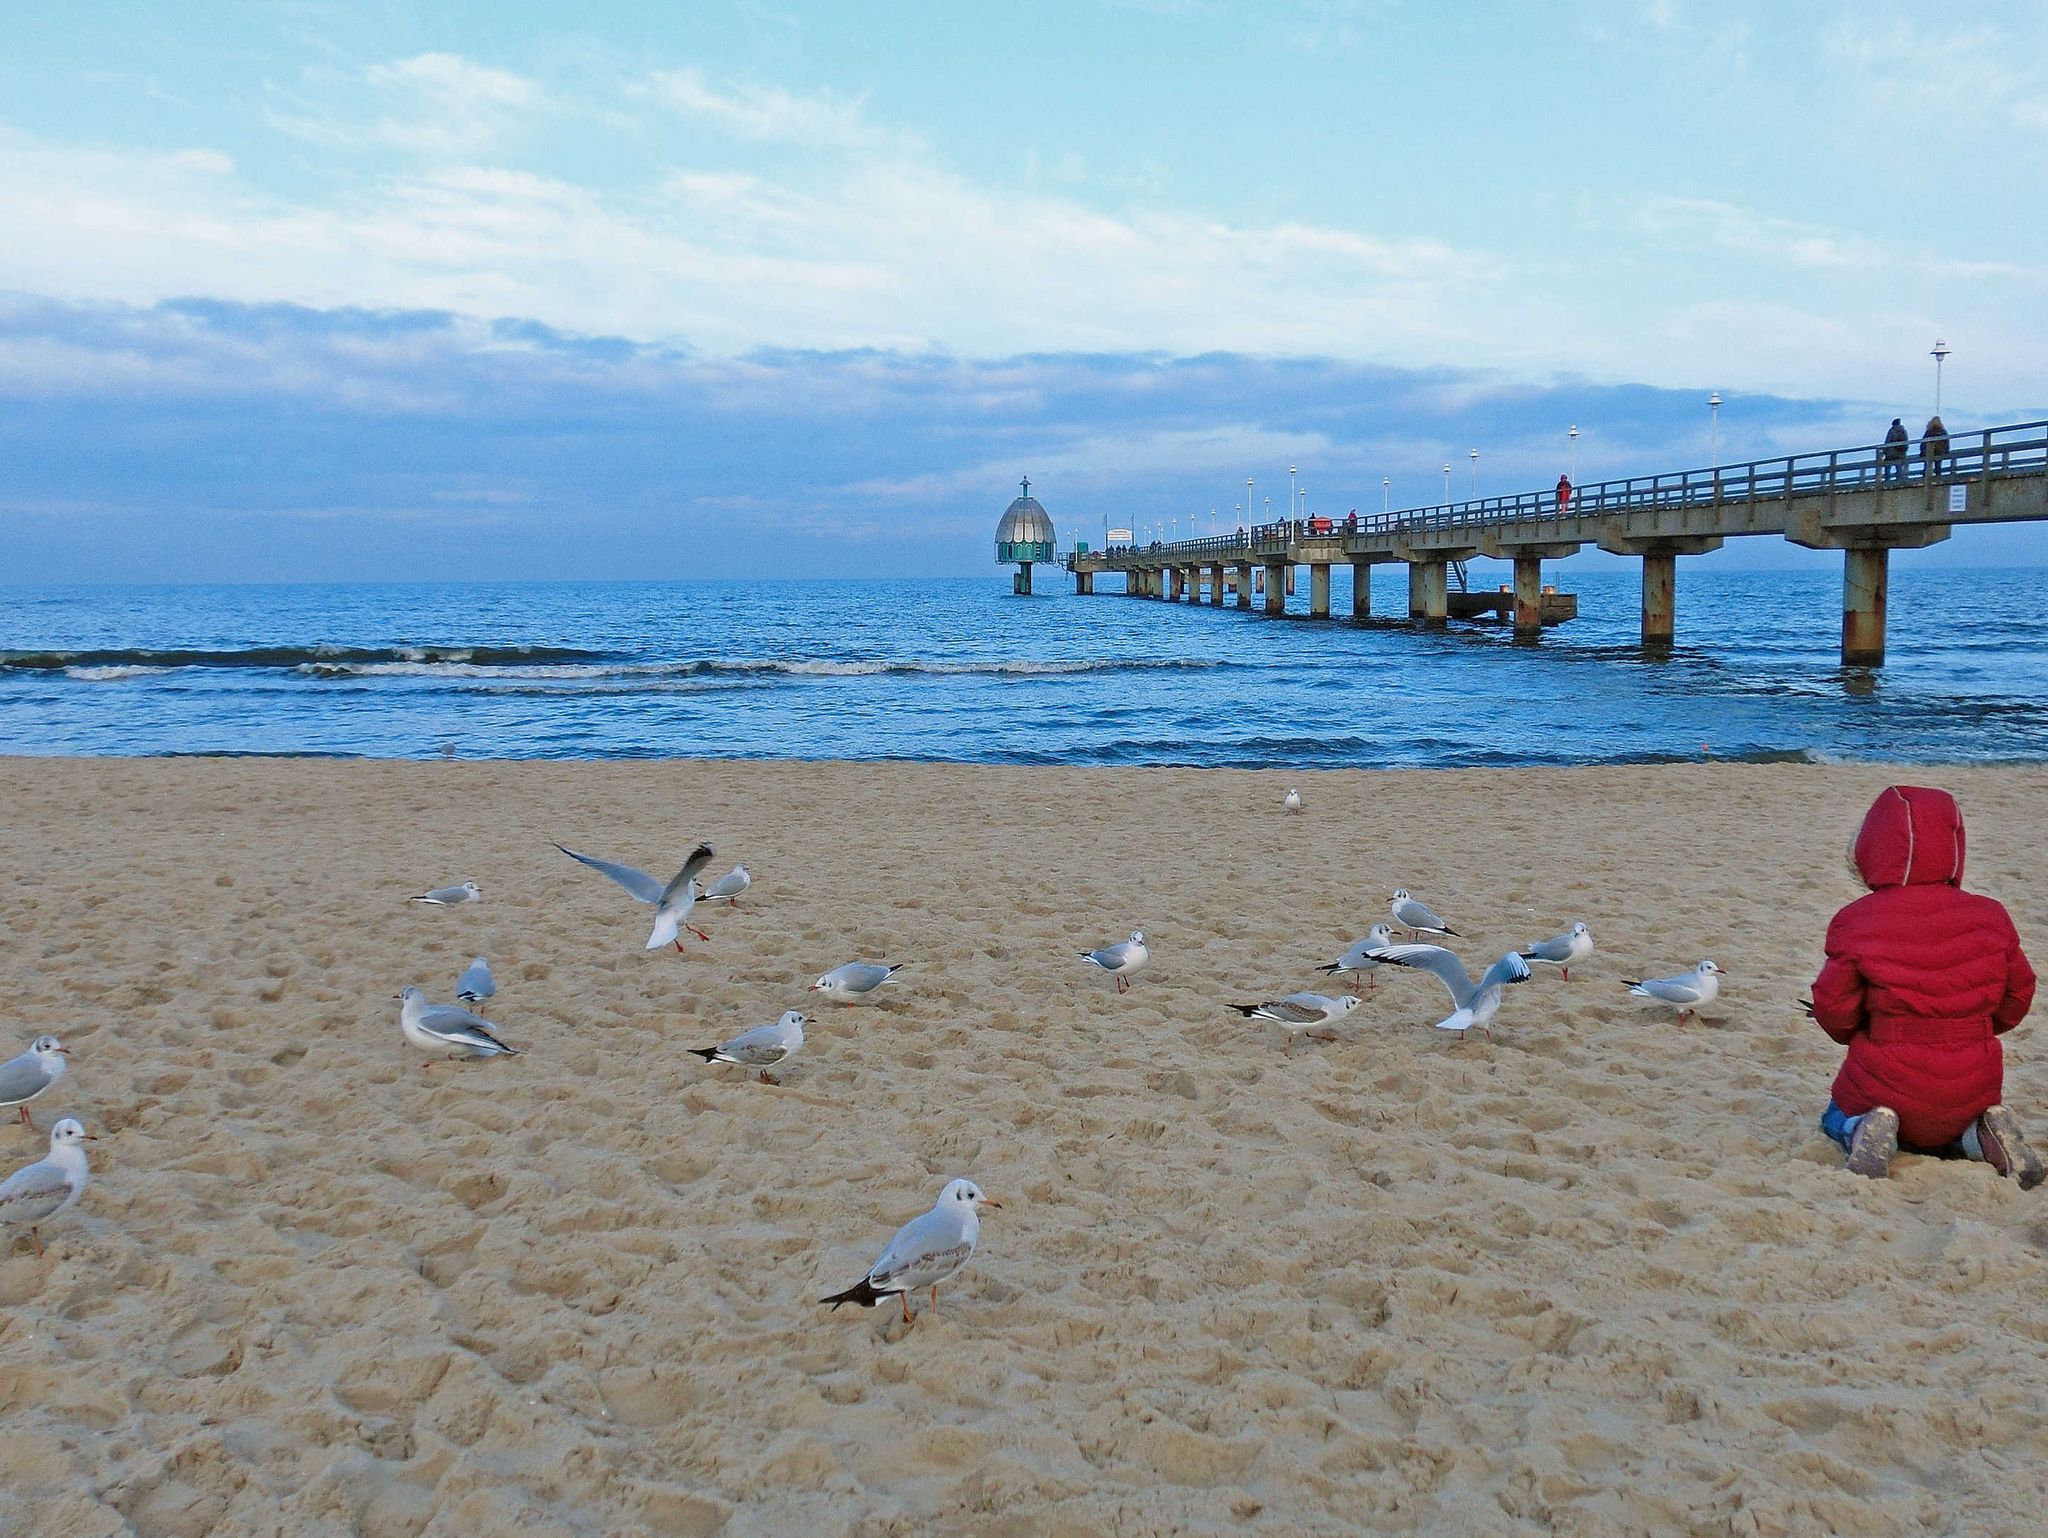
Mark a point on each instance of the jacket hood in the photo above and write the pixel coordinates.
(1911, 836)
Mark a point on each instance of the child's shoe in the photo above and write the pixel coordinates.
(1876, 1143)
(2006, 1150)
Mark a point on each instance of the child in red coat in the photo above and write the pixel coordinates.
(1922, 978)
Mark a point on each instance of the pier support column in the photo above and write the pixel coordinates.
(1216, 585)
(1191, 584)
(1276, 588)
(1176, 582)
(1429, 595)
(1319, 590)
(1084, 583)
(1022, 586)
(1660, 599)
(1361, 589)
(1528, 597)
(1244, 585)
(1864, 578)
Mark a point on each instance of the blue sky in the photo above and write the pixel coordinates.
(374, 290)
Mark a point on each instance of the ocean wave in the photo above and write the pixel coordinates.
(290, 657)
(715, 668)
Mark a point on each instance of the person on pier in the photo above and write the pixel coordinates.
(1893, 455)
(1564, 495)
(1934, 446)
(1922, 979)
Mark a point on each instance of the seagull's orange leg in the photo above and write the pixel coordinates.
(904, 1299)
(38, 1239)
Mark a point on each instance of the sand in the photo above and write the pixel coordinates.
(1600, 1275)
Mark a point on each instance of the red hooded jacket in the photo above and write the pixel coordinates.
(1921, 977)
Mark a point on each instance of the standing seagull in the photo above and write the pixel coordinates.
(1476, 1001)
(1291, 802)
(23, 1078)
(1309, 1012)
(1688, 992)
(1417, 919)
(730, 885)
(1362, 959)
(851, 983)
(764, 1047)
(925, 1252)
(450, 896)
(1560, 951)
(38, 1192)
(444, 1028)
(476, 983)
(672, 903)
(1122, 960)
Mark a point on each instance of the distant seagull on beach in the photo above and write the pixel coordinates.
(764, 1047)
(23, 1078)
(1291, 802)
(1417, 919)
(1360, 961)
(51, 1186)
(1688, 993)
(852, 983)
(444, 1028)
(1476, 1000)
(450, 896)
(729, 886)
(672, 903)
(1309, 1012)
(1122, 960)
(925, 1252)
(1561, 951)
(476, 983)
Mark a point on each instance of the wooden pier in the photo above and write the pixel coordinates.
(1856, 501)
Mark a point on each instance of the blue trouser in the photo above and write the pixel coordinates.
(1841, 1126)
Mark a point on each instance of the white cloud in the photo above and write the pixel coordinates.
(433, 105)
(203, 162)
(823, 120)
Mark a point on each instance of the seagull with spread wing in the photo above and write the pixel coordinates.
(1475, 1000)
(672, 903)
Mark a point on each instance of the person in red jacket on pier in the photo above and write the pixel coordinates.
(1921, 980)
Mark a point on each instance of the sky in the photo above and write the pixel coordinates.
(308, 292)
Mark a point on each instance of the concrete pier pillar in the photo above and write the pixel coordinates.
(1415, 590)
(1429, 591)
(1361, 589)
(1319, 590)
(1660, 599)
(1084, 583)
(1022, 586)
(1276, 588)
(1216, 585)
(1244, 585)
(1191, 584)
(1528, 597)
(1864, 578)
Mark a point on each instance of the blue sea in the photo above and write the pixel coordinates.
(962, 670)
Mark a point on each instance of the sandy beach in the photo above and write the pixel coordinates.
(1599, 1275)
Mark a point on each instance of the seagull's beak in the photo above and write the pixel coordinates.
(65, 1050)
(989, 1201)
(92, 1137)
(398, 998)
(814, 987)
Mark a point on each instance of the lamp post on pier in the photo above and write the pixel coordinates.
(1574, 436)
(1714, 432)
(1475, 475)
(1248, 503)
(1447, 483)
(1386, 494)
(1940, 356)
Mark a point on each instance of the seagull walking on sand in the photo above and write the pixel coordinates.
(1309, 1012)
(1122, 960)
(1416, 918)
(51, 1186)
(476, 983)
(1475, 1001)
(672, 903)
(729, 886)
(1291, 802)
(1562, 951)
(450, 896)
(40, 1068)
(1362, 959)
(925, 1252)
(853, 982)
(1688, 993)
(444, 1028)
(762, 1048)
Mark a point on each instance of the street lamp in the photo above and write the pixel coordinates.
(1269, 509)
(1386, 494)
(1447, 483)
(1574, 436)
(1940, 356)
(1714, 407)
(1290, 491)
(1248, 492)
(1475, 475)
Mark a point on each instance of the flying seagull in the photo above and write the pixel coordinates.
(1475, 1000)
(672, 903)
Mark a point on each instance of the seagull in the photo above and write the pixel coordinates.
(1560, 951)
(23, 1078)
(925, 1252)
(1301, 1012)
(476, 983)
(38, 1192)
(444, 1028)
(450, 896)
(1476, 1001)
(1360, 960)
(1122, 960)
(855, 981)
(1417, 919)
(730, 885)
(1688, 991)
(672, 903)
(1291, 802)
(763, 1047)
